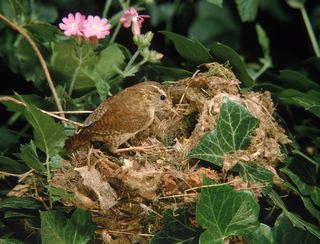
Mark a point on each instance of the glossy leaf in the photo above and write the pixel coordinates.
(223, 212)
(190, 49)
(256, 174)
(223, 54)
(262, 235)
(233, 132)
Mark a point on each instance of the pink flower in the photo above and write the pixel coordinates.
(95, 26)
(131, 18)
(72, 25)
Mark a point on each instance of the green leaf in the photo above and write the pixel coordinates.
(29, 64)
(30, 157)
(190, 49)
(216, 2)
(169, 73)
(109, 60)
(224, 212)
(247, 9)
(262, 235)
(78, 60)
(310, 195)
(284, 232)
(9, 137)
(295, 219)
(49, 136)
(233, 132)
(20, 202)
(17, 214)
(176, 229)
(264, 43)
(4, 240)
(223, 54)
(296, 4)
(14, 9)
(256, 174)
(42, 31)
(296, 80)
(12, 166)
(55, 228)
(309, 100)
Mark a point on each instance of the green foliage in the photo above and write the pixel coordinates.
(247, 9)
(224, 212)
(49, 136)
(233, 132)
(85, 73)
(56, 228)
(176, 229)
(190, 49)
(223, 54)
(30, 157)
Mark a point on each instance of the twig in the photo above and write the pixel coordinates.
(42, 61)
(72, 112)
(20, 176)
(11, 99)
(126, 233)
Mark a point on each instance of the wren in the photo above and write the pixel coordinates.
(122, 116)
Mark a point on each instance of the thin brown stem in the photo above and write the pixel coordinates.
(42, 61)
(63, 119)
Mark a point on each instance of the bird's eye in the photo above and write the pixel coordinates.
(163, 97)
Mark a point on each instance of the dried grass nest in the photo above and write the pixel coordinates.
(122, 192)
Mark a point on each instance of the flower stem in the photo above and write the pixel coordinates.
(265, 66)
(106, 8)
(310, 31)
(133, 58)
(42, 62)
(115, 33)
(75, 74)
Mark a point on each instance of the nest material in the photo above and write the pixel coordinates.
(122, 192)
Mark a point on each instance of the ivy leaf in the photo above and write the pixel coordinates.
(49, 136)
(309, 100)
(233, 132)
(295, 219)
(261, 235)
(223, 54)
(284, 232)
(247, 9)
(310, 195)
(254, 173)
(56, 228)
(30, 157)
(190, 49)
(224, 212)
(176, 229)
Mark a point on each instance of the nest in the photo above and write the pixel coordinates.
(128, 193)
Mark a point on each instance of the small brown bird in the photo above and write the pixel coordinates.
(122, 116)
